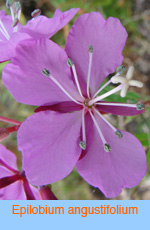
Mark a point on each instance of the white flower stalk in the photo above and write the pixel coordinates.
(126, 81)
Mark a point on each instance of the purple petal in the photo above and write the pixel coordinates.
(50, 145)
(42, 26)
(14, 192)
(63, 107)
(124, 166)
(7, 22)
(8, 157)
(4, 172)
(119, 110)
(6, 181)
(107, 38)
(24, 78)
(8, 47)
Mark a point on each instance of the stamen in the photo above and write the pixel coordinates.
(117, 104)
(46, 73)
(82, 145)
(94, 100)
(71, 64)
(15, 22)
(99, 114)
(5, 31)
(17, 6)
(140, 106)
(119, 134)
(8, 3)
(107, 147)
(36, 13)
(89, 69)
(4, 34)
(121, 69)
(12, 13)
(83, 142)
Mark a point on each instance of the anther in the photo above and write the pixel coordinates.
(36, 13)
(90, 49)
(8, 3)
(45, 72)
(119, 134)
(17, 6)
(82, 145)
(15, 22)
(69, 62)
(121, 69)
(140, 106)
(107, 147)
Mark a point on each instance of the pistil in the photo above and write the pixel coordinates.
(94, 100)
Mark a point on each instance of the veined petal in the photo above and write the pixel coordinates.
(63, 107)
(107, 38)
(124, 166)
(118, 110)
(49, 142)
(14, 191)
(24, 78)
(42, 26)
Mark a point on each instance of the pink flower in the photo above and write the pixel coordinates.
(14, 184)
(69, 128)
(11, 34)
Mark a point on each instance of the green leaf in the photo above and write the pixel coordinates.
(143, 138)
(148, 157)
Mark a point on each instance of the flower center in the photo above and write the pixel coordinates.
(86, 103)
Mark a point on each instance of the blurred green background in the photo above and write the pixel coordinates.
(135, 16)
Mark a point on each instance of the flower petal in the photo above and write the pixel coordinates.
(42, 26)
(107, 38)
(7, 22)
(8, 47)
(14, 191)
(50, 145)
(8, 157)
(124, 166)
(63, 107)
(24, 78)
(118, 110)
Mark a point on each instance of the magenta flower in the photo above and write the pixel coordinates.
(14, 184)
(69, 129)
(12, 32)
